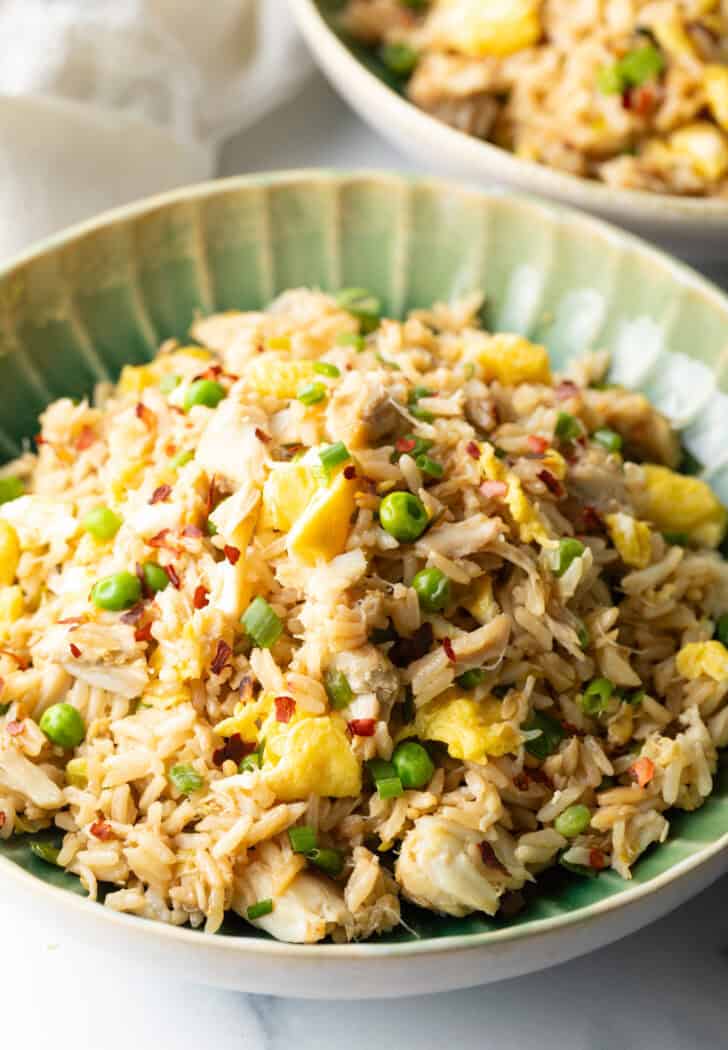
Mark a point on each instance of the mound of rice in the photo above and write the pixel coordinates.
(270, 708)
(632, 92)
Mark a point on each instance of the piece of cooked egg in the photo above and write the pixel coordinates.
(287, 491)
(512, 360)
(676, 503)
(703, 658)
(471, 729)
(313, 757)
(715, 80)
(631, 537)
(479, 28)
(705, 146)
(321, 531)
(272, 376)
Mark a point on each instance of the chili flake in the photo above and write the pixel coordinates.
(552, 484)
(285, 707)
(221, 657)
(449, 651)
(642, 770)
(200, 598)
(349, 472)
(85, 439)
(232, 554)
(537, 444)
(262, 436)
(173, 576)
(146, 415)
(75, 651)
(15, 728)
(362, 726)
(161, 494)
(489, 858)
(597, 859)
(473, 450)
(102, 830)
(234, 748)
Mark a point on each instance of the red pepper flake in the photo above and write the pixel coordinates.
(170, 448)
(21, 661)
(173, 576)
(2, 820)
(643, 100)
(160, 539)
(144, 633)
(362, 726)
(494, 489)
(565, 389)
(597, 859)
(489, 858)
(537, 774)
(234, 748)
(192, 531)
(221, 657)
(161, 494)
(143, 412)
(406, 650)
(405, 444)
(522, 781)
(472, 450)
(101, 830)
(537, 444)
(285, 707)
(592, 519)
(642, 770)
(15, 728)
(75, 651)
(232, 554)
(552, 484)
(262, 436)
(449, 651)
(75, 620)
(200, 598)
(85, 439)
(349, 472)
(40, 440)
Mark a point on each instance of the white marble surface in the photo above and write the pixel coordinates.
(661, 989)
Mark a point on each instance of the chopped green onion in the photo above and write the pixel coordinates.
(362, 305)
(689, 464)
(262, 623)
(250, 763)
(399, 58)
(568, 427)
(351, 339)
(419, 447)
(387, 364)
(569, 550)
(676, 539)
(324, 368)
(635, 697)
(303, 838)
(181, 459)
(259, 909)
(721, 629)
(582, 633)
(608, 439)
(380, 769)
(311, 393)
(596, 696)
(430, 467)
(634, 70)
(185, 778)
(4, 708)
(45, 850)
(210, 527)
(334, 455)
(552, 733)
(470, 679)
(413, 404)
(338, 689)
(329, 860)
(389, 787)
(168, 383)
(10, 489)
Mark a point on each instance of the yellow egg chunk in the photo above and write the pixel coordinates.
(676, 503)
(479, 28)
(77, 773)
(480, 602)
(316, 758)
(531, 525)
(512, 360)
(715, 80)
(705, 146)
(135, 378)
(271, 376)
(672, 35)
(9, 553)
(472, 730)
(321, 532)
(632, 538)
(12, 605)
(703, 658)
(164, 695)
(287, 491)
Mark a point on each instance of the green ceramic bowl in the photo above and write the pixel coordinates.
(77, 308)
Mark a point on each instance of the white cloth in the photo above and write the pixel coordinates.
(105, 101)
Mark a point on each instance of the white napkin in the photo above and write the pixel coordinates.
(105, 101)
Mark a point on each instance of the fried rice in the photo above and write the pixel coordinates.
(324, 611)
(630, 92)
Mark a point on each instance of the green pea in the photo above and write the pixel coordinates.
(10, 488)
(204, 392)
(596, 696)
(721, 629)
(568, 427)
(102, 523)
(470, 679)
(403, 516)
(185, 778)
(433, 589)
(552, 733)
(399, 58)
(413, 764)
(573, 821)
(608, 439)
(155, 577)
(63, 725)
(569, 550)
(117, 592)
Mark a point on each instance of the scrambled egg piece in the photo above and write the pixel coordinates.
(271, 376)
(511, 360)
(164, 695)
(9, 553)
(321, 531)
(287, 491)
(480, 602)
(136, 378)
(672, 36)
(705, 146)
(555, 463)
(676, 503)
(632, 538)
(703, 658)
(312, 757)
(715, 80)
(246, 719)
(12, 605)
(183, 656)
(472, 730)
(479, 28)
(531, 526)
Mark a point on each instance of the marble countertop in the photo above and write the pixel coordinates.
(661, 989)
